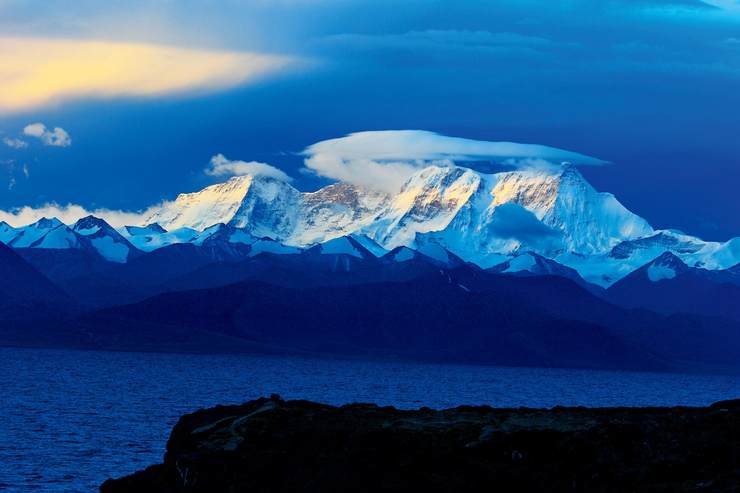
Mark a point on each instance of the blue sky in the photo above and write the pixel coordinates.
(650, 86)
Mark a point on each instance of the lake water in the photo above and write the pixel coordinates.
(71, 419)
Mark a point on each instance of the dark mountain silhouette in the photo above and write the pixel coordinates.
(668, 285)
(26, 293)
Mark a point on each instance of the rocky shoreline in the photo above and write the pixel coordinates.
(272, 445)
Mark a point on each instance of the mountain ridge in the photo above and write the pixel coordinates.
(487, 219)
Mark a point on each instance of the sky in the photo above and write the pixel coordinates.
(120, 105)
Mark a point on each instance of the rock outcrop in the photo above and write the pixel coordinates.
(271, 445)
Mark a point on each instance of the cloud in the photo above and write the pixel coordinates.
(39, 71)
(15, 143)
(512, 221)
(221, 166)
(57, 137)
(70, 213)
(385, 159)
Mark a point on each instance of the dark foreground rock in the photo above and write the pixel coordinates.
(270, 445)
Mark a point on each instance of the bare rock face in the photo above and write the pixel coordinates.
(271, 445)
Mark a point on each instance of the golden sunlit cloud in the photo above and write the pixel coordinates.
(38, 71)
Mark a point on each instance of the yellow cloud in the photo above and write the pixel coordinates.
(38, 71)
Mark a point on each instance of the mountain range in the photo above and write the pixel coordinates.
(531, 266)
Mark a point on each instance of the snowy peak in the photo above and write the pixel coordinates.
(667, 266)
(535, 219)
(345, 245)
(590, 221)
(404, 254)
(224, 234)
(661, 240)
(262, 205)
(199, 210)
(268, 245)
(526, 262)
(532, 264)
(667, 285)
(401, 254)
(108, 242)
(47, 223)
(7, 232)
(269, 209)
(350, 197)
(46, 233)
(336, 210)
(91, 225)
(427, 202)
(693, 251)
(148, 241)
(475, 216)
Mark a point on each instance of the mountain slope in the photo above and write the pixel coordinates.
(410, 320)
(668, 285)
(590, 221)
(46, 233)
(450, 213)
(474, 214)
(263, 205)
(108, 242)
(24, 292)
(532, 264)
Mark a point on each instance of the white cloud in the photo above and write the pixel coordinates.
(15, 143)
(385, 159)
(57, 137)
(39, 71)
(70, 213)
(221, 166)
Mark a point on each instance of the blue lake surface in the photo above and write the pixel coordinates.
(71, 419)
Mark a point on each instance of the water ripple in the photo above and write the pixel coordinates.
(71, 419)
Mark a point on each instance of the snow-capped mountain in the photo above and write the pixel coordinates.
(89, 234)
(262, 205)
(447, 213)
(44, 233)
(108, 242)
(336, 210)
(607, 268)
(475, 215)
(667, 284)
(153, 236)
(590, 221)
(345, 245)
(532, 264)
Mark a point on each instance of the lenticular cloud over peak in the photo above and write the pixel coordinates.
(385, 159)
